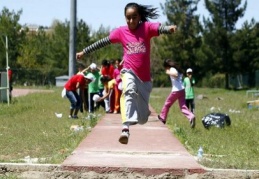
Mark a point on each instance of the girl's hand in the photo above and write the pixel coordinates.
(173, 28)
(79, 55)
(100, 99)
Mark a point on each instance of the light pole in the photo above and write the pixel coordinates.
(7, 77)
(72, 38)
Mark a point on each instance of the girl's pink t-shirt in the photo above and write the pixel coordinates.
(136, 47)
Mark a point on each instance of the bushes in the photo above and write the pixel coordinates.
(214, 81)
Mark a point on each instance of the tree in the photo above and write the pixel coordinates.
(184, 45)
(218, 31)
(10, 27)
(245, 45)
(109, 52)
(60, 46)
(35, 54)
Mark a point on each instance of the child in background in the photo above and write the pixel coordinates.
(107, 92)
(10, 79)
(107, 68)
(85, 102)
(136, 78)
(71, 86)
(188, 84)
(93, 88)
(178, 93)
(117, 91)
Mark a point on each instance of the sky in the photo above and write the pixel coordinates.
(95, 13)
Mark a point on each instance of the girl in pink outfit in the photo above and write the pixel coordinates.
(117, 77)
(177, 93)
(136, 78)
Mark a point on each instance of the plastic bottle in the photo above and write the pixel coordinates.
(200, 153)
(78, 128)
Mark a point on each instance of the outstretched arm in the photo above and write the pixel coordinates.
(86, 69)
(95, 46)
(105, 96)
(167, 29)
(172, 72)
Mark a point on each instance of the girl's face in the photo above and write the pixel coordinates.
(87, 81)
(117, 63)
(132, 18)
(189, 74)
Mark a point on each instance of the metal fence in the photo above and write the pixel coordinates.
(246, 80)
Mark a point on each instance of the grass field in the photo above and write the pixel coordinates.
(29, 127)
(233, 147)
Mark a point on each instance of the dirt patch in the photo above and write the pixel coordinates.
(40, 171)
(115, 175)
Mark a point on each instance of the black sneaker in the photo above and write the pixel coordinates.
(161, 119)
(192, 123)
(124, 138)
(75, 117)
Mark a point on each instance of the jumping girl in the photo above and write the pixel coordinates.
(136, 79)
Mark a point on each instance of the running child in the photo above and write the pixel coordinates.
(178, 93)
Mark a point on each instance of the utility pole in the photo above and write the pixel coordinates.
(7, 77)
(72, 39)
(7, 65)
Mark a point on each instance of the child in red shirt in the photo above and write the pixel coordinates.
(74, 83)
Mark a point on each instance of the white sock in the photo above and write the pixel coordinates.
(125, 125)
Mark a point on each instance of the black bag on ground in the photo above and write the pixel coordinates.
(216, 119)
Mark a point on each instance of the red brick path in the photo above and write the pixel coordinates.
(152, 150)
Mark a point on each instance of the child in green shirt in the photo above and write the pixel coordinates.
(188, 83)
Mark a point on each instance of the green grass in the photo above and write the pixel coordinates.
(233, 147)
(29, 127)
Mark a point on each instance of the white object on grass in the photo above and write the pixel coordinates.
(59, 115)
(76, 128)
(200, 153)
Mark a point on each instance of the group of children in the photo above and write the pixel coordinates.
(101, 81)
